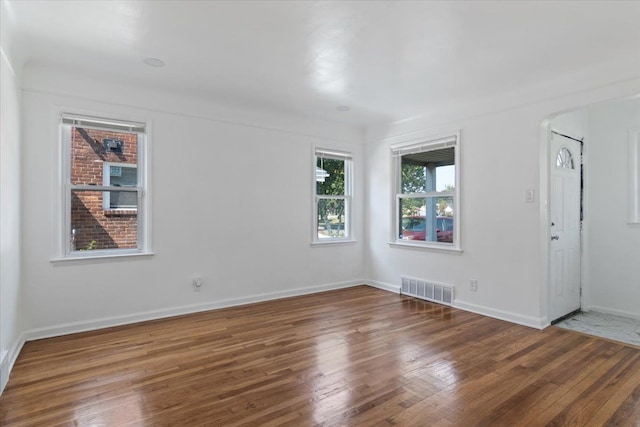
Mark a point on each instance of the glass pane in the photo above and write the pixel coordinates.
(413, 224)
(125, 176)
(427, 219)
(564, 159)
(429, 171)
(122, 176)
(90, 148)
(329, 177)
(93, 228)
(331, 218)
(122, 200)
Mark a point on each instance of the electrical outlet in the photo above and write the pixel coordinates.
(197, 284)
(473, 285)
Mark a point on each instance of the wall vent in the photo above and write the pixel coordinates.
(430, 291)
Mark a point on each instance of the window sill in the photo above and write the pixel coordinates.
(99, 256)
(423, 247)
(334, 242)
(120, 212)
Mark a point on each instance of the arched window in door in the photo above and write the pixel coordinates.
(564, 159)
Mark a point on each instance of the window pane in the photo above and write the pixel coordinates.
(329, 177)
(427, 219)
(564, 159)
(122, 200)
(93, 228)
(445, 220)
(413, 224)
(331, 218)
(90, 148)
(122, 176)
(429, 171)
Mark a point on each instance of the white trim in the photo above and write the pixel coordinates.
(585, 283)
(8, 360)
(103, 123)
(530, 321)
(435, 246)
(545, 221)
(410, 140)
(9, 64)
(509, 316)
(223, 114)
(333, 154)
(634, 176)
(5, 372)
(615, 312)
(384, 286)
(335, 241)
(102, 255)
(90, 325)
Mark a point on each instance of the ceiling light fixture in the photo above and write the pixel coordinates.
(343, 108)
(153, 62)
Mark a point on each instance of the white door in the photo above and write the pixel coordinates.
(564, 294)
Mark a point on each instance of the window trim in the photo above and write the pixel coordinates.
(634, 176)
(106, 181)
(347, 197)
(448, 140)
(63, 187)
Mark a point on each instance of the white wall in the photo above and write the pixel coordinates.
(10, 328)
(612, 269)
(231, 202)
(504, 239)
(573, 123)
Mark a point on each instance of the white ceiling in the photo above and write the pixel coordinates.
(387, 60)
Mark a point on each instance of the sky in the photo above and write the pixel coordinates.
(445, 175)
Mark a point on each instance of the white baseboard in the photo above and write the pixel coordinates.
(4, 369)
(8, 359)
(532, 322)
(90, 325)
(613, 311)
(383, 286)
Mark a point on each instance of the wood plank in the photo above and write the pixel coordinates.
(357, 356)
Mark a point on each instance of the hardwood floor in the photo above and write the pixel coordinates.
(356, 356)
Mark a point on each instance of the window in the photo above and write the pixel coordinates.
(332, 198)
(426, 194)
(120, 175)
(104, 187)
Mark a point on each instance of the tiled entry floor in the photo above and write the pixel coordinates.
(603, 325)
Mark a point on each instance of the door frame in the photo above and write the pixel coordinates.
(545, 221)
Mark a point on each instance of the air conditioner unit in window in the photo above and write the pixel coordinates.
(113, 145)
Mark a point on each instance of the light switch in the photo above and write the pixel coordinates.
(529, 195)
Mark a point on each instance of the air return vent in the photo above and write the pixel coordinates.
(436, 292)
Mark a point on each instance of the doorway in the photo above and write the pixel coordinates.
(565, 190)
(609, 229)
(563, 199)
